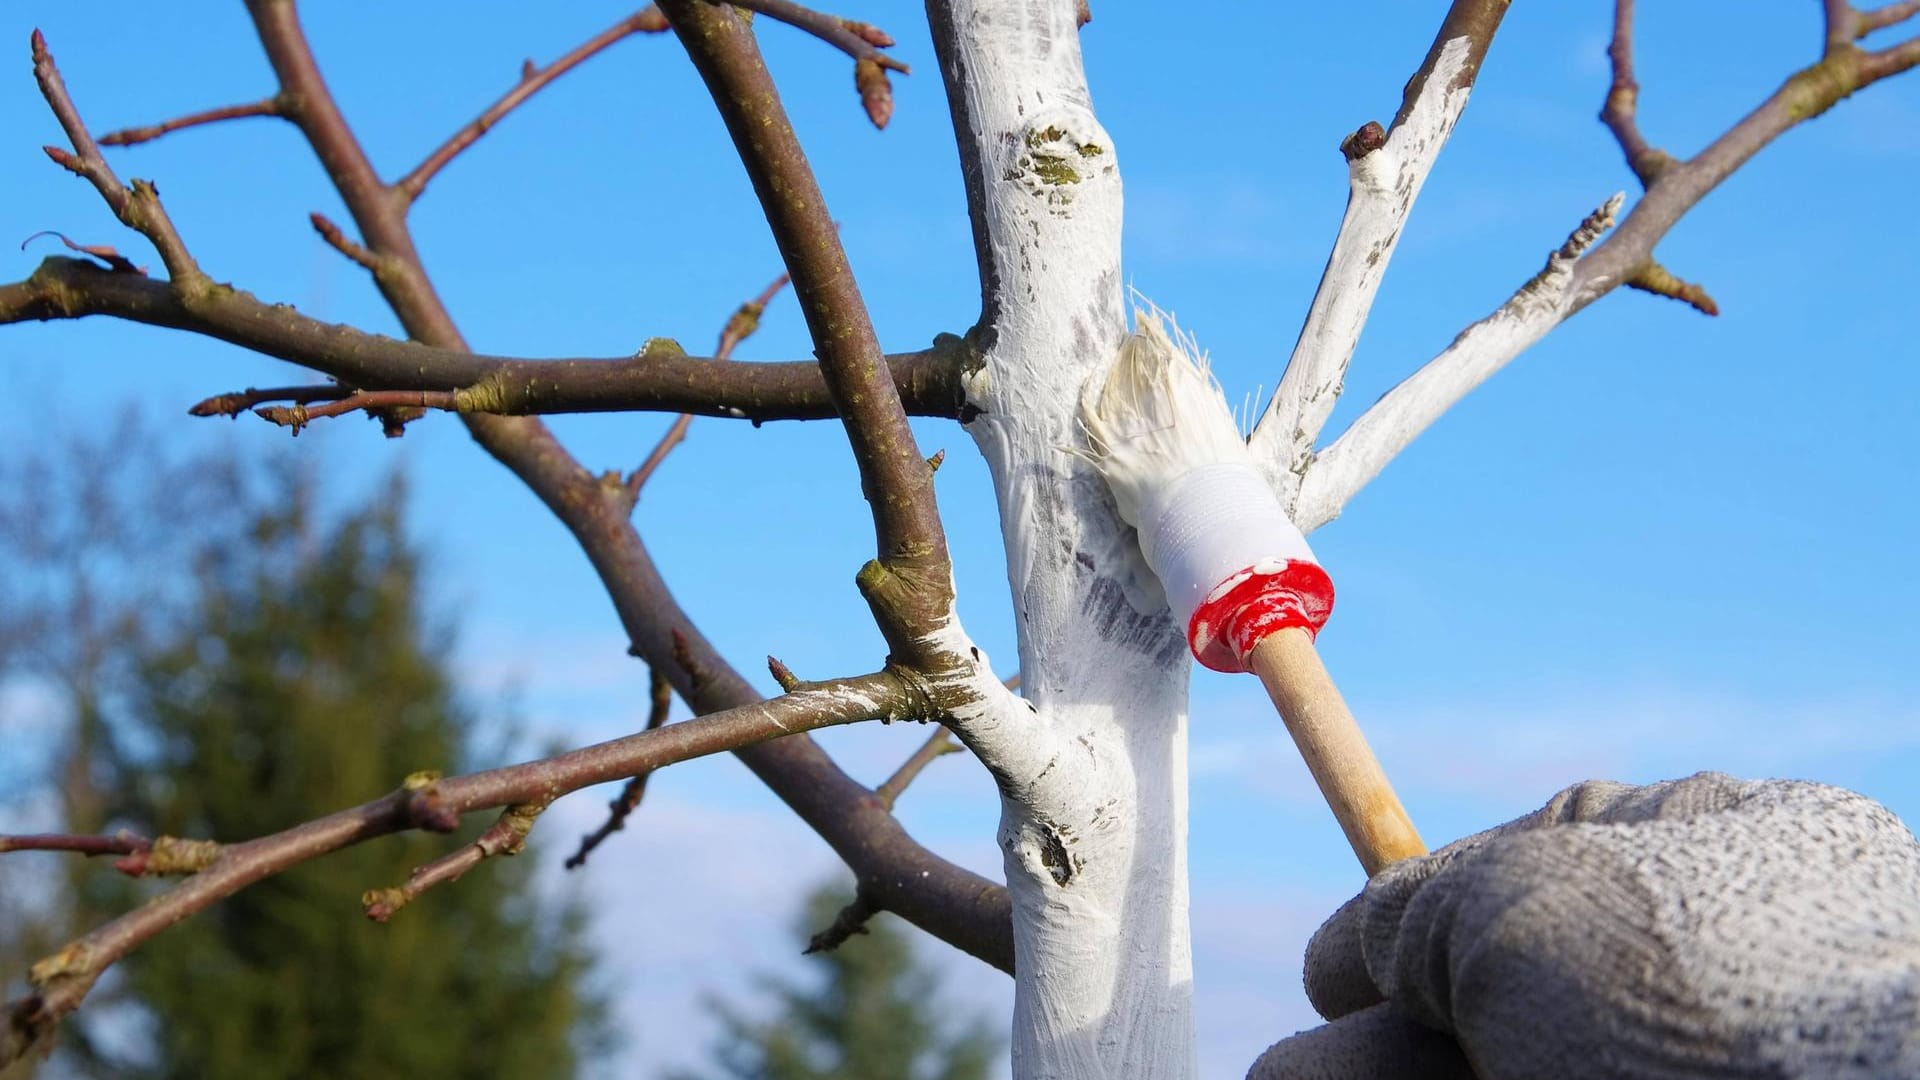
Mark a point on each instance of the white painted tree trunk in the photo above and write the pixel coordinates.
(1093, 782)
(1095, 793)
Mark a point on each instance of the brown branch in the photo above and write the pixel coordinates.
(928, 381)
(938, 745)
(851, 919)
(1838, 16)
(506, 836)
(1475, 20)
(1658, 280)
(119, 843)
(300, 415)
(61, 981)
(337, 239)
(909, 585)
(647, 20)
(137, 207)
(861, 41)
(1890, 61)
(378, 213)
(1866, 22)
(1623, 96)
(239, 401)
(740, 326)
(949, 902)
(136, 135)
(1628, 251)
(621, 808)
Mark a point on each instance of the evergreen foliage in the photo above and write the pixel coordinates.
(288, 671)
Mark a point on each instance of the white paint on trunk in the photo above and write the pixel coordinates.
(1093, 775)
(1383, 186)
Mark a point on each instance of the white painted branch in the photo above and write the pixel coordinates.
(1384, 184)
(1394, 421)
(1093, 778)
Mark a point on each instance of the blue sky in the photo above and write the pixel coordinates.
(1658, 543)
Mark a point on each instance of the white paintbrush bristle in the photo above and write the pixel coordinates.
(1159, 414)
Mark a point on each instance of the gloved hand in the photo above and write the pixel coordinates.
(1706, 927)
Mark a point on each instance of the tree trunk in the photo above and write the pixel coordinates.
(1094, 818)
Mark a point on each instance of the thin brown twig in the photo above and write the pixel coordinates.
(138, 207)
(1806, 94)
(506, 836)
(1866, 22)
(161, 856)
(660, 691)
(61, 981)
(298, 416)
(1889, 61)
(740, 326)
(118, 843)
(1620, 113)
(1839, 17)
(851, 919)
(133, 136)
(337, 239)
(929, 382)
(239, 401)
(861, 41)
(938, 745)
(1658, 280)
(647, 20)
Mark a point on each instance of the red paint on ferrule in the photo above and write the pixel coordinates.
(1227, 625)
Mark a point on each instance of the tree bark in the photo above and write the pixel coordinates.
(1094, 820)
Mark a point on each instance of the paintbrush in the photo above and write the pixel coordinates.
(1238, 575)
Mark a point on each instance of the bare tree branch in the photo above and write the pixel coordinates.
(506, 836)
(909, 586)
(1658, 280)
(962, 908)
(337, 239)
(1386, 171)
(239, 401)
(661, 697)
(656, 380)
(938, 745)
(137, 207)
(1806, 94)
(1866, 22)
(136, 135)
(119, 843)
(61, 981)
(1620, 113)
(1624, 258)
(647, 20)
(298, 416)
(861, 41)
(850, 920)
(1393, 422)
(741, 325)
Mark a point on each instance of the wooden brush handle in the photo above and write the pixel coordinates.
(1336, 752)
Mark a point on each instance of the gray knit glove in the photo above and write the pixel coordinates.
(1706, 927)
